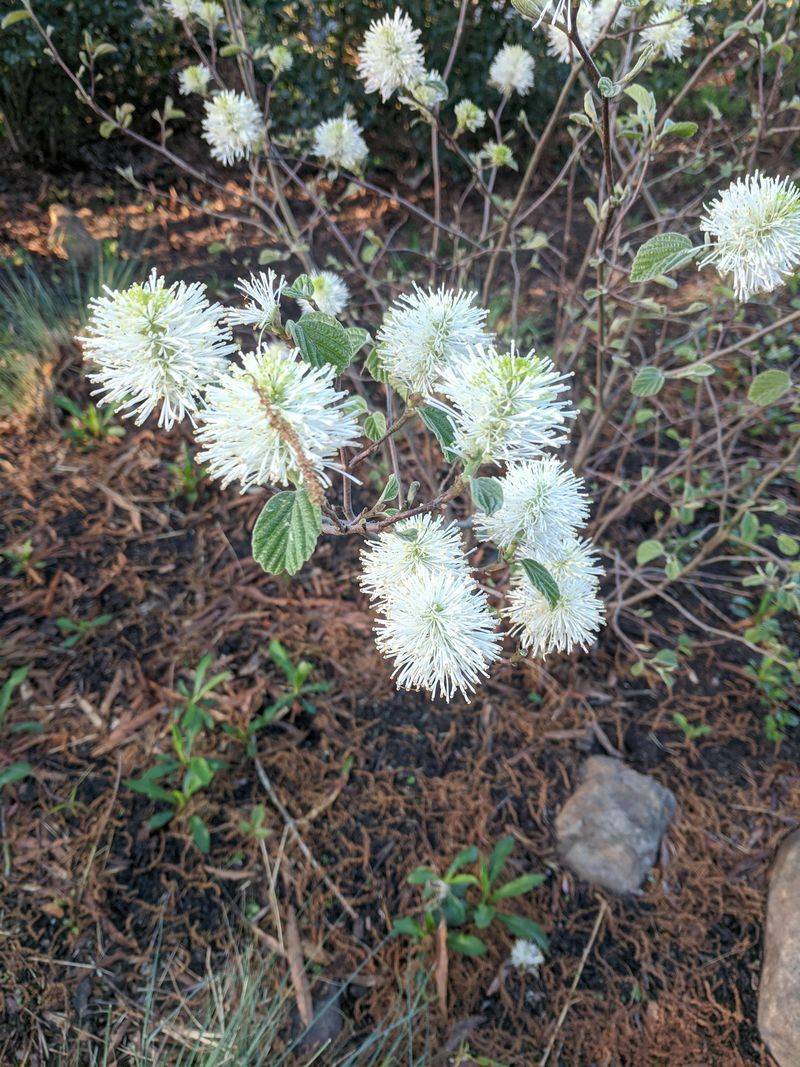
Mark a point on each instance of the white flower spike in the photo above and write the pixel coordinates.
(194, 79)
(418, 546)
(543, 627)
(339, 142)
(526, 956)
(232, 126)
(512, 70)
(240, 442)
(507, 407)
(391, 56)
(668, 31)
(753, 233)
(543, 504)
(156, 344)
(440, 632)
(264, 291)
(425, 331)
(331, 294)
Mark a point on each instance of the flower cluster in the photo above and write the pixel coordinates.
(753, 233)
(390, 56)
(232, 126)
(469, 116)
(512, 70)
(340, 143)
(433, 619)
(330, 295)
(668, 31)
(194, 79)
(243, 425)
(154, 344)
(424, 332)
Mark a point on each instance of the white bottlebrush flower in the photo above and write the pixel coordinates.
(240, 443)
(194, 79)
(413, 548)
(330, 293)
(340, 143)
(211, 14)
(606, 8)
(512, 70)
(536, 10)
(543, 504)
(497, 154)
(183, 9)
(232, 126)
(469, 116)
(753, 233)
(155, 344)
(424, 331)
(668, 31)
(589, 26)
(526, 956)
(264, 291)
(573, 558)
(542, 627)
(507, 406)
(430, 90)
(280, 58)
(391, 56)
(440, 632)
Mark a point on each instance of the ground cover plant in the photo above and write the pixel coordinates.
(441, 431)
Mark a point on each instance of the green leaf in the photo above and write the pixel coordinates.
(648, 381)
(768, 387)
(789, 546)
(375, 426)
(500, 853)
(161, 818)
(680, 129)
(13, 17)
(467, 855)
(648, 551)
(389, 490)
(321, 339)
(408, 927)
(286, 532)
(200, 834)
(527, 929)
(487, 494)
(661, 254)
(517, 886)
(541, 579)
(439, 423)
(15, 679)
(421, 876)
(483, 916)
(198, 775)
(468, 944)
(748, 529)
(358, 337)
(15, 773)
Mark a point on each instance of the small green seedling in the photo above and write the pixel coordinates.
(19, 558)
(476, 898)
(690, 731)
(187, 477)
(175, 779)
(300, 689)
(78, 629)
(90, 425)
(255, 827)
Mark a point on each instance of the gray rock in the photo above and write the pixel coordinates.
(610, 828)
(779, 992)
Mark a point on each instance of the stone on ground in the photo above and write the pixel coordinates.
(610, 829)
(779, 992)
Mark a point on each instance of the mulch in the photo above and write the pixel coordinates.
(88, 888)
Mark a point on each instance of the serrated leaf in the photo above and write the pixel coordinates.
(439, 423)
(648, 381)
(487, 494)
(541, 579)
(695, 372)
(661, 254)
(358, 337)
(286, 532)
(768, 387)
(375, 425)
(648, 551)
(321, 339)
(390, 490)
